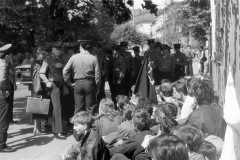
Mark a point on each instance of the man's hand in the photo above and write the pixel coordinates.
(7, 94)
(49, 84)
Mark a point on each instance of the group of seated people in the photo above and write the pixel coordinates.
(186, 124)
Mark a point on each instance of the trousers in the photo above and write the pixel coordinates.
(4, 121)
(56, 98)
(85, 96)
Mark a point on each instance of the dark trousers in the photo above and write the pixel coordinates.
(179, 72)
(101, 93)
(11, 100)
(85, 96)
(56, 98)
(4, 121)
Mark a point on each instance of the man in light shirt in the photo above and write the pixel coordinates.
(86, 73)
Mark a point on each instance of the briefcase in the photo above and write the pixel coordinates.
(38, 105)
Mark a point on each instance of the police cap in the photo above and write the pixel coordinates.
(150, 41)
(136, 48)
(4, 48)
(177, 46)
(165, 46)
(124, 44)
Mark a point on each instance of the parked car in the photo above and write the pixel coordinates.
(24, 73)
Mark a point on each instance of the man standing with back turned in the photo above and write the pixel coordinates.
(86, 72)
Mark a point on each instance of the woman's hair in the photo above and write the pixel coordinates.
(128, 110)
(181, 87)
(121, 101)
(166, 124)
(145, 104)
(189, 84)
(169, 110)
(191, 135)
(167, 147)
(141, 119)
(166, 89)
(209, 150)
(83, 118)
(107, 108)
(203, 92)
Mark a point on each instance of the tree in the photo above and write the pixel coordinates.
(197, 17)
(127, 32)
(27, 23)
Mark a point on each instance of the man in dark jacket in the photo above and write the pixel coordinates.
(91, 145)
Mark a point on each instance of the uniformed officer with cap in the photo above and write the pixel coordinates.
(181, 61)
(129, 75)
(4, 99)
(137, 62)
(119, 83)
(86, 70)
(51, 74)
(166, 64)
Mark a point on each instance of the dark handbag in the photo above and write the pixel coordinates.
(38, 105)
(204, 59)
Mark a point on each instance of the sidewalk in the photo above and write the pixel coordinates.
(43, 147)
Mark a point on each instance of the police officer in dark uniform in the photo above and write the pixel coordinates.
(137, 62)
(129, 75)
(181, 61)
(51, 74)
(166, 64)
(119, 83)
(5, 88)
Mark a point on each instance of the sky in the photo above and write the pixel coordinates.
(160, 3)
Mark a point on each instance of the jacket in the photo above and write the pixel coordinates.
(90, 147)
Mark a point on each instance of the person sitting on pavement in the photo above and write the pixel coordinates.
(91, 145)
(108, 119)
(193, 139)
(208, 116)
(141, 120)
(167, 147)
(125, 130)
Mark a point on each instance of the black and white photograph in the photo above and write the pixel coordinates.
(119, 80)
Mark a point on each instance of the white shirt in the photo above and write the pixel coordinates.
(187, 107)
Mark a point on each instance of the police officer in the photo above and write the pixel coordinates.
(166, 64)
(85, 68)
(129, 77)
(119, 83)
(5, 89)
(51, 74)
(137, 62)
(181, 61)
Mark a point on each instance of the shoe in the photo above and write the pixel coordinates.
(12, 121)
(59, 136)
(7, 149)
(36, 132)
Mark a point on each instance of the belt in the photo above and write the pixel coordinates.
(79, 79)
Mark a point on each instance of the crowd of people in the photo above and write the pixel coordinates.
(186, 123)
